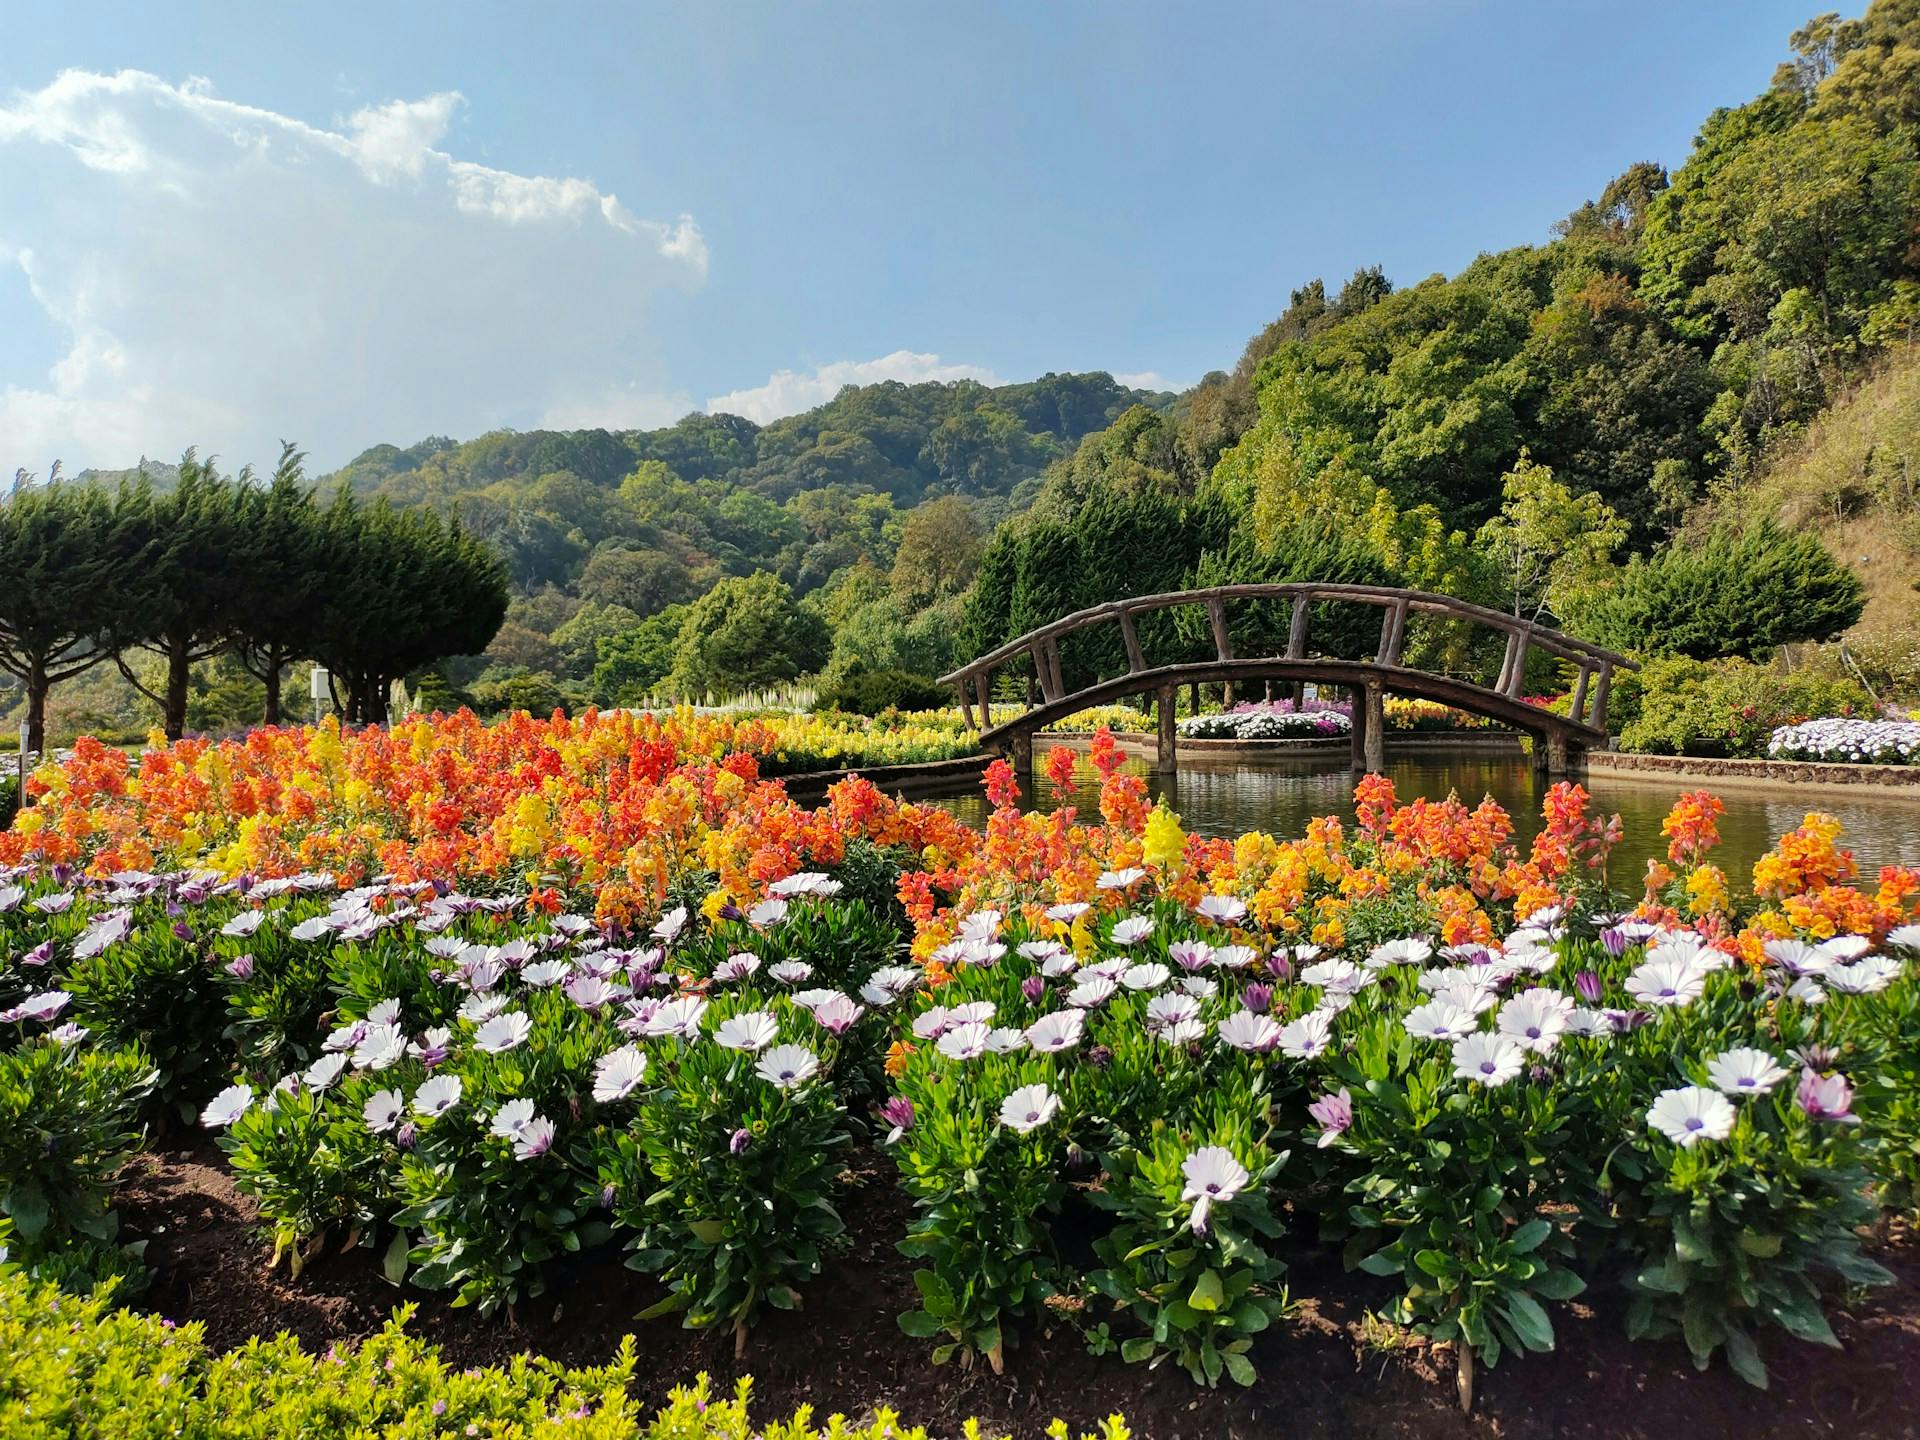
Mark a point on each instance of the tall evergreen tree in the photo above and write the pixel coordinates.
(61, 579)
(184, 551)
(284, 560)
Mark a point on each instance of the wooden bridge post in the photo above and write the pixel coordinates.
(1554, 754)
(1376, 738)
(1166, 752)
(1020, 753)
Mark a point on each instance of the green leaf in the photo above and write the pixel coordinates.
(707, 1232)
(920, 1325)
(1556, 1284)
(1380, 1263)
(394, 1263)
(1137, 1351)
(1763, 1247)
(1207, 1293)
(1239, 1368)
(1803, 1318)
(934, 1292)
(1528, 1237)
(1530, 1322)
(1744, 1356)
(1437, 1263)
(27, 1204)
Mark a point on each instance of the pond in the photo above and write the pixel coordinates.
(1279, 795)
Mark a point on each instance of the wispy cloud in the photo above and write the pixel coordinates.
(220, 274)
(788, 392)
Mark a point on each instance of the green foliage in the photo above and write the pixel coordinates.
(154, 991)
(69, 1123)
(485, 1217)
(1732, 1236)
(1455, 1191)
(633, 665)
(727, 1180)
(859, 691)
(78, 1367)
(61, 572)
(745, 634)
(310, 1167)
(1548, 541)
(1729, 707)
(1200, 1290)
(538, 695)
(1730, 593)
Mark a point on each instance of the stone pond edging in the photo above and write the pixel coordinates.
(1892, 781)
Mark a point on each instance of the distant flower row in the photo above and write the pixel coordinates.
(1859, 742)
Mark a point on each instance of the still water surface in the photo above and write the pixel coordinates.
(1280, 796)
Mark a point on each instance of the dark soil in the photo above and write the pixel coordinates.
(1324, 1371)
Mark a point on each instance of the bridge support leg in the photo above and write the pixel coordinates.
(1020, 755)
(1375, 703)
(1554, 755)
(1166, 755)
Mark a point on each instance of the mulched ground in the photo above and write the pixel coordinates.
(1324, 1372)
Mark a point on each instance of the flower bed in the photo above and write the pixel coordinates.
(1205, 1056)
(1855, 742)
(1269, 722)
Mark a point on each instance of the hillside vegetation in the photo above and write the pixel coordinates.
(1687, 354)
(1853, 480)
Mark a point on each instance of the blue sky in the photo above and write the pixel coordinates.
(353, 222)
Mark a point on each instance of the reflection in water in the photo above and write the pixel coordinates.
(1219, 797)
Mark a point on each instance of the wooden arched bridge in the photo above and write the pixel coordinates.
(1560, 740)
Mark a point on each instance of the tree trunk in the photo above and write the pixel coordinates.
(173, 713)
(38, 687)
(270, 712)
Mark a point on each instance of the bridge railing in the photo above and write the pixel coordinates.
(1595, 665)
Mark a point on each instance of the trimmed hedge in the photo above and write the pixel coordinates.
(77, 1366)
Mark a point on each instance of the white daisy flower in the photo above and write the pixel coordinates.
(1488, 1060)
(751, 1030)
(1028, 1108)
(1690, 1114)
(1744, 1070)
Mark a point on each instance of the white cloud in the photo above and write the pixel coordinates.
(1152, 380)
(788, 392)
(222, 275)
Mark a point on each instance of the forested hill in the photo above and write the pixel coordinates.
(1514, 432)
(904, 441)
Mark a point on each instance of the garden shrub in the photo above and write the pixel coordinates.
(727, 1180)
(1733, 592)
(1729, 707)
(859, 691)
(78, 1367)
(69, 1122)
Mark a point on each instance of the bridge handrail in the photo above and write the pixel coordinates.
(1430, 601)
(1522, 635)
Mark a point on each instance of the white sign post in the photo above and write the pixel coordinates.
(319, 686)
